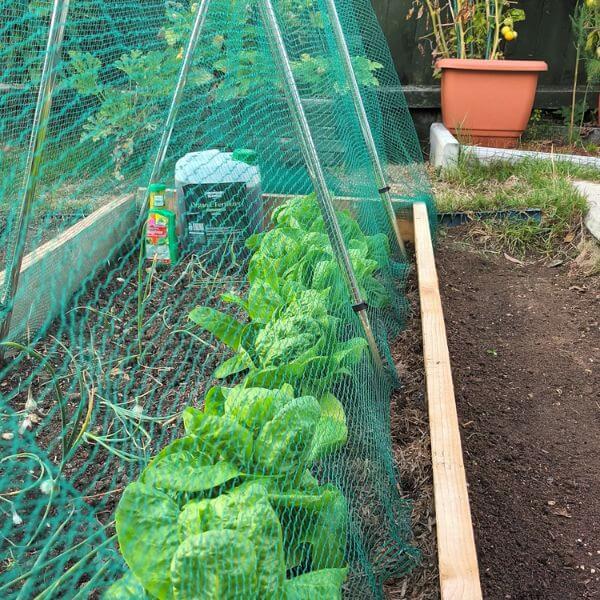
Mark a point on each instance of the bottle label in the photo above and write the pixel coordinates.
(220, 213)
(157, 229)
(157, 238)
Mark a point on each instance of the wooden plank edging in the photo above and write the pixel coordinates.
(457, 555)
(54, 271)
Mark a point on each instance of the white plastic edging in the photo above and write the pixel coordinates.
(445, 150)
(444, 147)
(488, 155)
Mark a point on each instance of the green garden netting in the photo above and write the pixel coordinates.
(215, 426)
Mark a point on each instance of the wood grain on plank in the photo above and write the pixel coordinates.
(54, 271)
(457, 555)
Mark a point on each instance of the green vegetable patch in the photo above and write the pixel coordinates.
(232, 509)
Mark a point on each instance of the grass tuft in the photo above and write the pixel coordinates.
(472, 186)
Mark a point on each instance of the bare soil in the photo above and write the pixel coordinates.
(412, 457)
(106, 313)
(525, 348)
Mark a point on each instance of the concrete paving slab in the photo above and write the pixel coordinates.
(592, 192)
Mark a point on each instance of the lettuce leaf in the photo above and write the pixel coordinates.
(325, 584)
(314, 525)
(126, 588)
(146, 523)
(215, 565)
(284, 443)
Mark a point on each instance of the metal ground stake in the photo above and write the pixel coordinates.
(35, 154)
(315, 170)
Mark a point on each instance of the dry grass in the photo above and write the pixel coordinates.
(588, 260)
(412, 456)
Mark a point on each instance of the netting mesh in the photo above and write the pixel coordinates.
(212, 425)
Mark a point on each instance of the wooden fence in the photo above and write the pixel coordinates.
(545, 35)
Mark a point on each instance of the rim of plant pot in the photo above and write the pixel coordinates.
(483, 64)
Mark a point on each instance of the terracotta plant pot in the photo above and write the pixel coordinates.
(488, 102)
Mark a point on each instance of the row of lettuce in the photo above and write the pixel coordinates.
(232, 509)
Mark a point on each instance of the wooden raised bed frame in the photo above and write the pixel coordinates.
(457, 557)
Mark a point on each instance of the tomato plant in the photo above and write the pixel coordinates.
(469, 28)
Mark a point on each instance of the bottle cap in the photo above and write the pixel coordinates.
(245, 155)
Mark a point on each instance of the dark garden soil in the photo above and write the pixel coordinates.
(412, 457)
(558, 147)
(525, 346)
(525, 349)
(106, 313)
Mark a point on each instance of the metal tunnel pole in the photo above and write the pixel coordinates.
(184, 70)
(35, 157)
(380, 178)
(315, 170)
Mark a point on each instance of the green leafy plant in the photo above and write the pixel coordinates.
(586, 26)
(585, 23)
(131, 110)
(208, 515)
(572, 114)
(131, 104)
(298, 342)
(287, 432)
(232, 510)
(312, 71)
(296, 300)
(296, 254)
